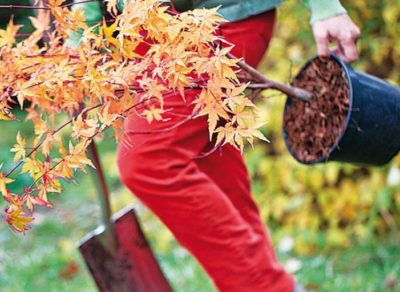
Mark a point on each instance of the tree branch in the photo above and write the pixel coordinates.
(267, 83)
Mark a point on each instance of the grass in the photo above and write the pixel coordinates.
(46, 258)
(363, 267)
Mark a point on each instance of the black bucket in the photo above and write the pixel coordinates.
(371, 135)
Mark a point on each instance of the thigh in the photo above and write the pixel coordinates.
(164, 175)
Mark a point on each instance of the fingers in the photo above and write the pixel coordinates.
(348, 45)
(322, 42)
(340, 30)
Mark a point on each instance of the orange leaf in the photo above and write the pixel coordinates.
(18, 219)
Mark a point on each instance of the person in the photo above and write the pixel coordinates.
(206, 200)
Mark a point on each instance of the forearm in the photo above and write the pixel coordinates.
(324, 9)
(332, 25)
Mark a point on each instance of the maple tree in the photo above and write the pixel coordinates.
(102, 80)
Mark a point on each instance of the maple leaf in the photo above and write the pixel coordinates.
(238, 142)
(158, 23)
(42, 192)
(34, 200)
(42, 22)
(78, 18)
(46, 179)
(112, 7)
(19, 148)
(225, 134)
(27, 91)
(77, 156)
(3, 183)
(153, 113)
(105, 73)
(18, 219)
(3, 116)
(47, 143)
(109, 31)
(55, 3)
(6, 114)
(51, 183)
(258, 134)
(40, 127)
(105, 117)
(31, 166)
(209, 105)
(129, 49)
(84, 128)
(8, 36)
(63, 151)
(63, 168)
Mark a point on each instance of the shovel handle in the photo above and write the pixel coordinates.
(101, 185)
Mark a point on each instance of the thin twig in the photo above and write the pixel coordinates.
(42, 7)
(208, 153)
(259, 86)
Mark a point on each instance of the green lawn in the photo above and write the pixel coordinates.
(46, 258)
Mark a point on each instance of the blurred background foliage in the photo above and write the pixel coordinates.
(332, 204)
(335, 226)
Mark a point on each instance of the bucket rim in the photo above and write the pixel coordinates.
(346, 68)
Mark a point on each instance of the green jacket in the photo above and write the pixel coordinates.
(234, 10)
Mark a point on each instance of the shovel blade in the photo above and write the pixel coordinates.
(132, 267)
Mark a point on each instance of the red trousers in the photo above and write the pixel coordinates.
(206, 202)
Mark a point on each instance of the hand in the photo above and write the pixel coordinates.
(340, 30)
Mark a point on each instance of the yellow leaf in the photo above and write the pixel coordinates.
(19, 148)
(108, 33)
(239, 143)
(153, 113)
(31, 166)
(8, 36)
(84, 128)
(6, 114)
(106, 117)
(42, 21)
(63, 168)
(3, 184)
(40, 127)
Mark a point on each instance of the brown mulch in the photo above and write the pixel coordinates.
(314, 127)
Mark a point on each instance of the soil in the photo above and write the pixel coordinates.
(313, 128)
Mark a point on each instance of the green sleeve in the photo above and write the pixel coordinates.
(323, 9)
(93, 14)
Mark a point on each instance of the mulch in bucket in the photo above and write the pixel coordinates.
(313, 128)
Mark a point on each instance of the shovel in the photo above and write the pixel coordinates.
(117, 253)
